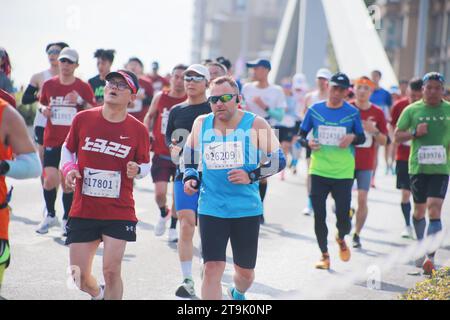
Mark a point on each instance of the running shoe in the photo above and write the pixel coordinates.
(234, 295)
(173, 235)
(344, 251)
(101, 295)
(428, 266)
(160, 227)
(186, 289)
(420, 261)
(408, 233)
(324, 263)
(46, 224)
(356, 241)
(307, 211)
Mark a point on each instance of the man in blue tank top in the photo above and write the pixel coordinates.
(230, 145)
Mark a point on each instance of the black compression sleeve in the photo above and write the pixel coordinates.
(29, 95)
(303, 140)
(359, 139)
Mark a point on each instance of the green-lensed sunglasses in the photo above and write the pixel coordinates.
(223, 98)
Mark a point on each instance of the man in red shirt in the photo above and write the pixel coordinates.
(163, 169)
(105, 150)
(139, 107)
(62, 97)
(413, 94)
(375, 129)
(159, 82)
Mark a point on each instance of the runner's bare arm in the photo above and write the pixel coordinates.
(151, 113)
(401, 136)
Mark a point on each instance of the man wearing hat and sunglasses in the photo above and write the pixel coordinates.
(179, 125)
(105, 150)
(337, 128)
(62, 97)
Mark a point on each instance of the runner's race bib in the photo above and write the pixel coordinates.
(101, 183)
(331, 136)
(62, 116)
(164, 120)
(432, 155)
(223, 155)
(368, 143)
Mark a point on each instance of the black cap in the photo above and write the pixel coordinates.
(340, 80)
(128, 76)
(224, 61)
(259, 63)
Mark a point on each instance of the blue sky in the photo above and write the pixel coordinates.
(150, 30)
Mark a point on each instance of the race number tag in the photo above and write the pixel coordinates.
(432, 155)
(223, 155)
(62, 116)
(164, 120)
(101, 183)
(331, 136)
(368, 143)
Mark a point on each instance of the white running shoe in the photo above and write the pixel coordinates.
(173, 235)
(46, 224)
(307, 211)
(408, 233)
(186, 289)
(160, 227)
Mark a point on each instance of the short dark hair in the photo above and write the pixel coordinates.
(62, 45)
(136, 59)
(226, 79)
(105, 54)
(403, 81)
(225, 62)
(219, 65)
(378, 72)
(180, 67)
(416, 84)
(206, 61)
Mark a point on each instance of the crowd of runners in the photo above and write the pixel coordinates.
(216, 140)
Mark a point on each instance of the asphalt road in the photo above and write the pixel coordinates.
(287, 250)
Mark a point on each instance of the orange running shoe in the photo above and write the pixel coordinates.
(344, 250)
(324, 263)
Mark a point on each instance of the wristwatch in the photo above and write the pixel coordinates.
(376, 134)
(252, 177)
(414, 133)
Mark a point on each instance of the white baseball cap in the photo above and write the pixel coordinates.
(199, 69)
(299, 82)
(69, 53)
(324, 73)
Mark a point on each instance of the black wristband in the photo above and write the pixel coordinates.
(139, 170)
(4, 167)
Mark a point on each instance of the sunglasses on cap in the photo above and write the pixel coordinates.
(64, 60)
(194, 78)
(434, 76)
(54, 51)
(223, 98)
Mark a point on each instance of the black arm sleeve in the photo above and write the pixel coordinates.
(170, 127)
(29, 95)
(303, 140)
(359, 139)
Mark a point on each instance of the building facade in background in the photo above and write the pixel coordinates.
(399, 30)
(236, 29)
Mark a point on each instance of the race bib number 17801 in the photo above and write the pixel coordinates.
(101, 183)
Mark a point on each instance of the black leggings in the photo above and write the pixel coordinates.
(341, 190)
